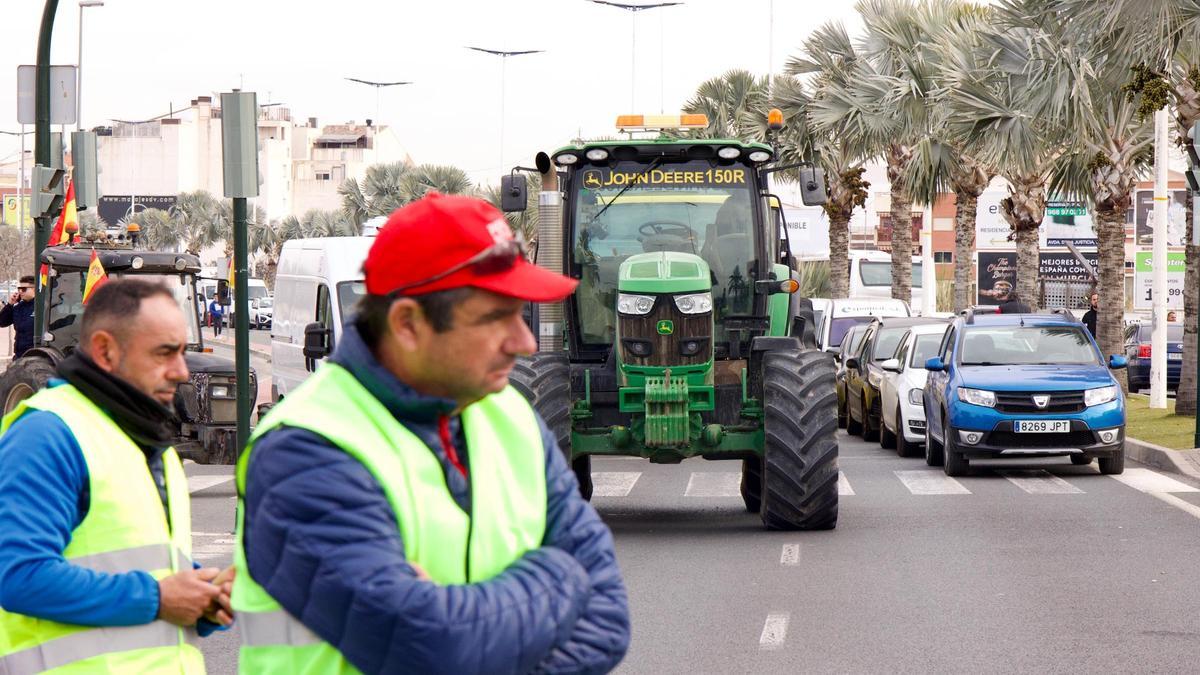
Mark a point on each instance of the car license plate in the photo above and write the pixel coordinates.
(1174, 356)
(1042, 426)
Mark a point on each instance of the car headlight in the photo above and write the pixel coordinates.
(219, 391)
(981, 397)
(916, 396)
(694, 303)
(634, 304)
(1100, 396)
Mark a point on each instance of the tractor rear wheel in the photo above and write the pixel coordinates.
(544, 379)
(24, 378)
(751, 486)
(799, 466)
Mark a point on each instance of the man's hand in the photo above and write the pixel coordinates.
(185, 596)
(12, 299)
(221, 611)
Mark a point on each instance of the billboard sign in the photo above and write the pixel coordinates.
(1143, 280)
(808, 231)
(1065, 221)
(112, 208)
(998, 272)
(12, 211)
(1176, 217)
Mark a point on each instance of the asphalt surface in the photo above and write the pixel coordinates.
(1054, 568)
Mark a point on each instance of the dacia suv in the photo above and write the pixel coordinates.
(1019, 385)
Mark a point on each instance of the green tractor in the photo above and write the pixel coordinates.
(685, 337)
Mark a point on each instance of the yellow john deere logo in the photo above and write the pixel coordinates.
(665, 327)
(593, 179)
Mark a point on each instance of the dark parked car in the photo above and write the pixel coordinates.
(1137, 351)
(849, 347)
(864, 372)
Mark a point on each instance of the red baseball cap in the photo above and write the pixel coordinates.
(424, 239)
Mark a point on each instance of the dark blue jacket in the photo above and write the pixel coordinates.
(321, 538)
(19, 315)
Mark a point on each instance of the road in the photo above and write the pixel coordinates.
(1047, 568)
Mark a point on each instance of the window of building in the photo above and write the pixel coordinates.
(322, 175)
(943, 256)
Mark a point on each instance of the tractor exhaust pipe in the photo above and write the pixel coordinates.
(549, 252)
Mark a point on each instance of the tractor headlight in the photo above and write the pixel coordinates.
(694, 303)
(634, 304)
(597, 154)
(566, 159)
(981, 397)
(916, 396)
(759, 156)
(1099, 396)
(219, 391)
(729, 153)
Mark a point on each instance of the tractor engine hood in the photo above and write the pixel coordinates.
(664, 272)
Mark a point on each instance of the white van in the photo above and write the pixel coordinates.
(871, 277)
(318, 281)
(842, 315)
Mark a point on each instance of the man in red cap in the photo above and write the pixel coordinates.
(405, 510)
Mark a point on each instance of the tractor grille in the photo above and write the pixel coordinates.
(1022, 402)
(665, 350)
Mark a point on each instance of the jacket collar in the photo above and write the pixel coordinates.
(404, 402)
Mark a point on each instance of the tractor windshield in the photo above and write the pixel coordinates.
(65, 309)
(696, 207)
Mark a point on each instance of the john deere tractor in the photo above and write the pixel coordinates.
(685, 337)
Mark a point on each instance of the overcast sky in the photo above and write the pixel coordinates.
(143, 56)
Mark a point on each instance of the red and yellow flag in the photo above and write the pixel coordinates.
(68, 221)
(96, 277)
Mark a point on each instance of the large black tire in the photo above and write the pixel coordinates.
(954, 463)
(24, 378)
(544, 379)
(903, 447)
(934, 454)
(870, 430)
(751, 486)
(800, 467)
(887, 439)
(1113, 466)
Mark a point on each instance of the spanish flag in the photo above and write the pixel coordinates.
(61, 232)
(96, 277)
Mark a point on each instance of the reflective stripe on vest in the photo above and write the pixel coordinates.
(91, 643)
(508, 495)
(124, 530)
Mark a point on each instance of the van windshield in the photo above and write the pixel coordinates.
(349, 293)
(839, 327)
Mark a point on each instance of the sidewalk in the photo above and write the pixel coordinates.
(1186, 462)
(226, 339)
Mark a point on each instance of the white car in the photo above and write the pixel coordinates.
(261, 310)
(902, 407)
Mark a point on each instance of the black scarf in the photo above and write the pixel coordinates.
(145, 420)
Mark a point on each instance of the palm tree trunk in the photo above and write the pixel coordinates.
(966, 204)
(839, 255)
(1185, 397)
(1024, 208)
(898, 159)
(1110, 230)
(1028, 265)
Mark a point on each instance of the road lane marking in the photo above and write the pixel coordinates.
(844, 489)
(1040, 482)
(791, 555)
(198, 483)
(930, 482)
(1187, 507)
(613, 483)
(774, 631)
(714, 484)
(1146, 480)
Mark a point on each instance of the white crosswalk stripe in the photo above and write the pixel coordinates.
(198, 483)
(714, 484)
(614, 483)
(1040, 482)
(930, 482)
(844, 489)
(1146, 480)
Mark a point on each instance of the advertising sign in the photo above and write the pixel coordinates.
(1064, 221)
(808, 231)
(1176, 217)
(991, 229)
(998, 272)
(1143, 280)
(12, 211)
(112, 208)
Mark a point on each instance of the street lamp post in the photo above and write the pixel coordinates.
(378, 86)
(503, 76)
(79, 64)
(633, 10)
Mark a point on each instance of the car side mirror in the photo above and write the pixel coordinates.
(852, 363)
(1117, 362)
(935, 364)
(891, 365)
(316, 341)
(514, 193)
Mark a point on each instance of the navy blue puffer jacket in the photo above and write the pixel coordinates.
(321, 538)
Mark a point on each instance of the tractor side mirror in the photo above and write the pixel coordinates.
(316, 341)
(812, 186)
(514, 193)
(891, 365)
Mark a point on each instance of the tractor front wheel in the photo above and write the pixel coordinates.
(752, 484)
(24, 378)
(799, 466)
(544, 379)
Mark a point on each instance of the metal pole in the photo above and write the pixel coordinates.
(241, 321)
(633, 63)
(1196, 242)
(21, 187)
(41, 150)
(503, 90)
(79, 77)
(1158, 337)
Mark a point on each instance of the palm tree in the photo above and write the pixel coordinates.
(157, 231)
(387, 187)
(448, 180)
(734, 104)
(198, 222)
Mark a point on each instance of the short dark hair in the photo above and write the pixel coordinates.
(370, 316)
(111, 306)
(27, 279)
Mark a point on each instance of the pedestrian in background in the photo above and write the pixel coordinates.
(18, 313)
(1171, 318)
(405, 509)
(1089, 317)
(1014, 305)
(217, 314)
(95, 540)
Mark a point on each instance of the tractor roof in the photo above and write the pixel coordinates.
(663, 146)
(120, 258)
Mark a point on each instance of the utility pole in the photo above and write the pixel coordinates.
(41, 146)
(1158, 336)
(633, 11)
(503, 54)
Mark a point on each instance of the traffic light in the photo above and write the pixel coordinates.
(50, 188)
(85, 175)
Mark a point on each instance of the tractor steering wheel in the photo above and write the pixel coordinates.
(666, 227)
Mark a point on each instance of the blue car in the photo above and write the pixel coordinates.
(1137, 352)
(1020, 385)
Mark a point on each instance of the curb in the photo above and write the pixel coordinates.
(1185, 462)
(264, 352)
